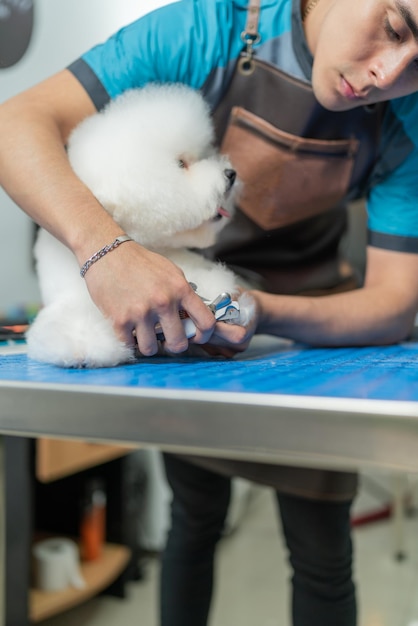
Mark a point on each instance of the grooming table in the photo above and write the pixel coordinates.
(278, 402)
(351, 408)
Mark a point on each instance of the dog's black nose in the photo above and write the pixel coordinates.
(231, 176)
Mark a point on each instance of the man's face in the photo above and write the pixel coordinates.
(365, 51)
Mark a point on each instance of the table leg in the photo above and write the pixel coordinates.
(2, 538)
(16, 533)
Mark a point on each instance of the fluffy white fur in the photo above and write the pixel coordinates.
(148, 158)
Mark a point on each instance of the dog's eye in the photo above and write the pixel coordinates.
(182, 164)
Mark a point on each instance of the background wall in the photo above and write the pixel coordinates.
(62, 30)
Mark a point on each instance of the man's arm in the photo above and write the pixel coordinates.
(132, 286)
(382, 312)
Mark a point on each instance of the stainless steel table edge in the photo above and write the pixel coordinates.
(342, 433)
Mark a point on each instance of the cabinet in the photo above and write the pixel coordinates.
(53, 507)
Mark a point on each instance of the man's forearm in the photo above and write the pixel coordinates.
(35, 171)
(360, 317)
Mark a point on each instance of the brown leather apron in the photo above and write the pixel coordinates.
(298, 163)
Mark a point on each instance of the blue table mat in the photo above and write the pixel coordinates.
(388, 372)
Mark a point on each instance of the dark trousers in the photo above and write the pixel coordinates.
(317, 535)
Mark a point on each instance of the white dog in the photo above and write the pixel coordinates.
(148, 158)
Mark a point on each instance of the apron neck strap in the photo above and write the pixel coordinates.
(250, 36)
(251, 27)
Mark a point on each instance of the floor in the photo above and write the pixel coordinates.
(253, 576)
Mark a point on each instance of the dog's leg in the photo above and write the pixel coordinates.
(72, 333)
(211, 279)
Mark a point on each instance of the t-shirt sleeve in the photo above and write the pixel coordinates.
(393, 200)
(180, 42)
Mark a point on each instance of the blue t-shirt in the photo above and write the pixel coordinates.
(197, 42)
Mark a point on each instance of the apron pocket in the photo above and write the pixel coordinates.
(285, 178)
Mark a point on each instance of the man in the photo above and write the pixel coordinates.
(303, 79)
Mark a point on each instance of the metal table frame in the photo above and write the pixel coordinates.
(342, 433)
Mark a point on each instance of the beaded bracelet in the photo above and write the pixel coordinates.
(100, 253)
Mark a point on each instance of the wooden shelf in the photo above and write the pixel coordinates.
(56, 459)
(97, 574)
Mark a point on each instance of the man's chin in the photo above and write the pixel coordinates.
(336, 103)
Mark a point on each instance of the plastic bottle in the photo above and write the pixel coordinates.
(93, 520)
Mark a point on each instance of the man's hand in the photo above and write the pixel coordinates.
(230, 339)
(137, 289)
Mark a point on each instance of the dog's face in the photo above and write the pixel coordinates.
(209, 182)
(149, 159)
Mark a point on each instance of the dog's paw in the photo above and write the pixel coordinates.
(72, 338)
(247, 309)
